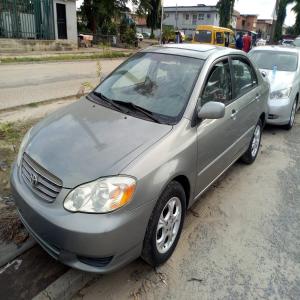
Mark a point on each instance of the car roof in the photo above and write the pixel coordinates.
(200, 51)
(277, 48)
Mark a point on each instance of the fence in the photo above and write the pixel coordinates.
(27, 19)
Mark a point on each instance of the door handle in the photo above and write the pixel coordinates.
(257, 98)
(233, 114)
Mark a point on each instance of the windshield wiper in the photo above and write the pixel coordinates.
(135, 107)
(110, 101)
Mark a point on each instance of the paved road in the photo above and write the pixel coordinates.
(26, 83)
(240, 241)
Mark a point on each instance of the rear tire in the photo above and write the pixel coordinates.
(292, 116)
(253, 149)
(165, 225)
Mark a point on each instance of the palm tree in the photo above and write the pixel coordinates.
(296, 10)
(225, 8)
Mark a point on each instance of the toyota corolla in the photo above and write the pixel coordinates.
(110, 177)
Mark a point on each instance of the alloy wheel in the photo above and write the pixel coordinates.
(168, 225)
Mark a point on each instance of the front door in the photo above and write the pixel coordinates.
(217, 138)
(61, 21)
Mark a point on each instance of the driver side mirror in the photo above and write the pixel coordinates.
(212, 110)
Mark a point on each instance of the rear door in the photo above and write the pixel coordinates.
(217, 139)
(247, 95)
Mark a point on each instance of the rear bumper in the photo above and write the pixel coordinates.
(89, 242)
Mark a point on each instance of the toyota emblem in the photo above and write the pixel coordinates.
(33, 179)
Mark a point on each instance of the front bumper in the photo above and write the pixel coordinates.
(279, 111)
(97, 243)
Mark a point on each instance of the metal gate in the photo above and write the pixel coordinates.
(27, 19)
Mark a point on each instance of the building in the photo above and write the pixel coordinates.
(247, 23)
(36, 21)
(187, 18)
(264, 28)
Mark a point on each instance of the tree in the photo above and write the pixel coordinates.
(225, 9)
(98, 12)
(296, 10)
(281, 15)
(152, 10)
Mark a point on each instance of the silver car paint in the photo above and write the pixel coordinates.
(281, 80)
(194, 153)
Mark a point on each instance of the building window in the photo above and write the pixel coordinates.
(194, 20)
(243, 23)
(187, 16)
(208, 16)
(201, 17)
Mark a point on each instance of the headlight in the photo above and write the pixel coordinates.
(285, 93)
(22, 147)
(101, 196)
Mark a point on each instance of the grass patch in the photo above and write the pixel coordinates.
(11, 134)
(65, 57)
(33, 104)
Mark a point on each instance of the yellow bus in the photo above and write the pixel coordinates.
(214, 35)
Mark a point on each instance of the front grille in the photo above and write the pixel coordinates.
(40, 181)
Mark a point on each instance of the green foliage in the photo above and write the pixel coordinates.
(168, 33)
(129, 36)
(225, 9)
(152, 10)
(281, 15)
(296, 10)
(95, 13)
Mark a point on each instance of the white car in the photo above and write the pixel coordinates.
(281, 65)
(297, 42)
(139, 36)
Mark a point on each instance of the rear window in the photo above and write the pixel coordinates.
(203, 36)
(283, 61)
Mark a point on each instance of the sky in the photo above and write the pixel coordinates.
(263, 8)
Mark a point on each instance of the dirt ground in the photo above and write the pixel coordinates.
(241, 240)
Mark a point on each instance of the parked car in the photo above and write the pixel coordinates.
(146, 35)
(261, 42)
(297, 42)
(281, 66)
(110, 177)
(139, 36)
(287, 42)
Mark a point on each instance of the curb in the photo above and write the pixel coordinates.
(66, 286)
(11, 256)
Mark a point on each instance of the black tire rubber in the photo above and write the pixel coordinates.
(247, 158)
(289, 126)
(149, 252)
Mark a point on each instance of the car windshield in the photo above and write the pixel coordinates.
(283, 61)
(203, 36)
(158, 83)
(297, 42)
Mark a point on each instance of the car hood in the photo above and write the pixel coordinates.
(85, 141)
(280, 79)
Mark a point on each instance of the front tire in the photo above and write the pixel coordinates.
(253, 149)
(292, 117)
(165, 225)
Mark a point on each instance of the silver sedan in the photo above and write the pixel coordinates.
(281, 66)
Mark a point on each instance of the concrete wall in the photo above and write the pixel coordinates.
(71, 19)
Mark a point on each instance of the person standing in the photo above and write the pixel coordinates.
(247, 40)
(239, 41)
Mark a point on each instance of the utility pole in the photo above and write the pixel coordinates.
(176, 17)
(161, 21)
(274, 17)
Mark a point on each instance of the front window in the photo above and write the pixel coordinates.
(158, 83)
(203, 36)
(282, 61)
